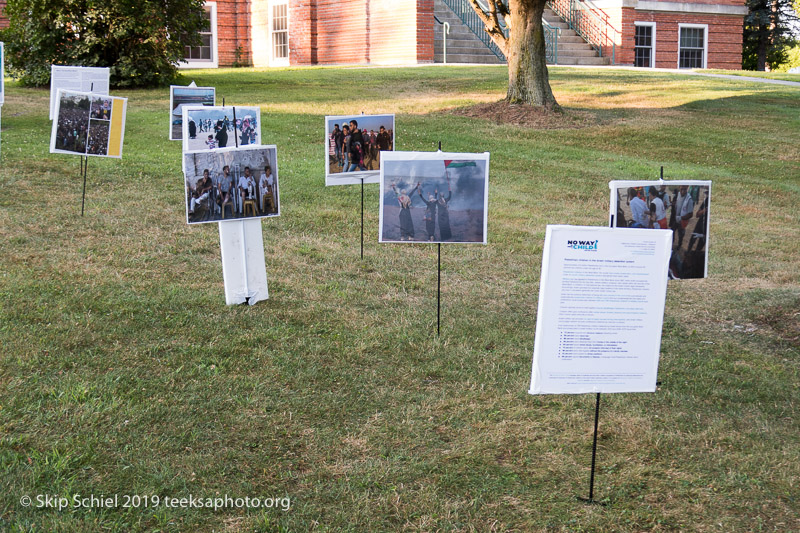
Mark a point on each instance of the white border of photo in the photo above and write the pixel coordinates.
(172, 100)
(354, 178)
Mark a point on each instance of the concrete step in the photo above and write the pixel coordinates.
(471, 58)
(582, 60)
(575, 53)
(466, 50)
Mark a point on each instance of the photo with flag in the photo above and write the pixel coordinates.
(434, 197)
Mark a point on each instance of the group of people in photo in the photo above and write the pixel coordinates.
(244, 195)
(682, 210)
(219, 133)
(352, 149)
(72, 124)
(437, 210)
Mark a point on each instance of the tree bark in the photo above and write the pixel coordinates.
(763, 46)
(528, 80)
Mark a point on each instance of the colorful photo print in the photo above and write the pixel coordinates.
(231, 184)
(179, 97)
(209, 128)
(88, 124)
(678, 206)
(434, 197)
(353, 144)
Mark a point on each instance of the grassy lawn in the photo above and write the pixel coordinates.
(123, 372)
(755, 74)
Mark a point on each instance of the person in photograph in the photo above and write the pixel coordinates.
(225, 187)
(211, 142)
(373, 145)
(192, 129)
(247, 188)
(684, 209)
(266, 187)
(346, 146)
(640, 214)
(248, 134)
(700, 227)
(384, 140)
(430, 211)
(659, 212)
(338, 140)
(356, 148)
(222, 133)
(201, 191)
(444, 214)
(406, 223)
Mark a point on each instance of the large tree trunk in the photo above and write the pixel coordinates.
(763, 46)
(528, 80)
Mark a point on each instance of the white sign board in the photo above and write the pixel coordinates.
(2, 74)
(243, 268)
(81, 79)
(601, 309)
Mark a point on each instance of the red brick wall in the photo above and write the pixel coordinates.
(233, 31)
(425, 24)
(3, 19)
(724, 37)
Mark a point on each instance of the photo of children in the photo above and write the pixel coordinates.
(353, 144)
(434, 197)
(231, 184)
(208, 128)
(179, 97)
(679, 206)
(88, 124)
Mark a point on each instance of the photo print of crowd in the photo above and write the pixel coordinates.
(434, 197)
(209, 128)
(231, 184)
(181, 97)
(83, 124)
(679, 206)
(353, 144)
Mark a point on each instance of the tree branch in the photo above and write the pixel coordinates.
(491, 23)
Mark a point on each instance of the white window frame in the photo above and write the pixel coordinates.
(705, 42)
(278, 61)
(652, 47)
(199, 63)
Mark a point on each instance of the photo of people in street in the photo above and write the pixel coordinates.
(679, 206)
(231, 184)
(434, 197)
(179, 97)
(88, 124)
(209, 128)
(353, 144)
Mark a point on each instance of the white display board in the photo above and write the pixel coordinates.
(81, 79)
(243, 267)
(601, 310)
(2, 74)
(353, 157)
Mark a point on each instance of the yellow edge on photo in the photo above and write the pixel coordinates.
(115, 137)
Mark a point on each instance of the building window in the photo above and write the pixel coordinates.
(206, 54)
(644, 47)
(692, 46)
(280, 32)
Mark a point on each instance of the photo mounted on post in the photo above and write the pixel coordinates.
(679, 206)
(436, 197)
(88, 124)
(209, 128)
(231, 184)
(2, 74)
(180, 97)
(353, 144)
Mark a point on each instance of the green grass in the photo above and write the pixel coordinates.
(122, 370)
(757, 74)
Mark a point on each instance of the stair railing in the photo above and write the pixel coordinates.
(445, 33)
(463, 9)
(591, 23)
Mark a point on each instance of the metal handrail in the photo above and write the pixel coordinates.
(591, 23)
(463, 9)
(445, 33)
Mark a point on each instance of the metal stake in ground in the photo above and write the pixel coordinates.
(235, 136)
(362, 218)
(84, 169)
(591, 499)
(438, 287)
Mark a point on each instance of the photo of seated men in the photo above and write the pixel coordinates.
(72, 122)
(231, 184)
(209, 128)
(186, 96)
(354, 142)
(679, 207)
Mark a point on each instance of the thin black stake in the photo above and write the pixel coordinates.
(235, 136)
(223, 101)
(362, 218)
(594, 451)
(440, 146)
(438, 287)
(84, 169)
(662, 173)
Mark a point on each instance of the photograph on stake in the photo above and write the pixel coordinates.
(78, 79)
(353, 144)
(435, 197)
(231, 184)
(88, 124)
(180, 97)
(209, 128)
(2, 73)
(680, 206)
